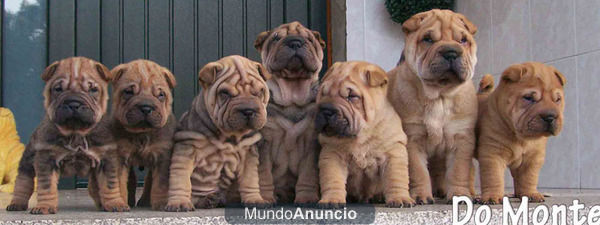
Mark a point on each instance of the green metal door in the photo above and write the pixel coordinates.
(182, 35)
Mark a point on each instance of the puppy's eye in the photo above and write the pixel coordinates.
(427, 39)
(128, 92)
(57, 88)
(276, 37)
(161, 96)
(529, 98)
(463, 40)
(558, 99)
(224, 94)
(353, 97)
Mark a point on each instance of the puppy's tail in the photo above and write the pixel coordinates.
(486, 85)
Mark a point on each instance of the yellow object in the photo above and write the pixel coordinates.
(11, 150)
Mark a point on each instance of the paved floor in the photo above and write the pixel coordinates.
(75, 207)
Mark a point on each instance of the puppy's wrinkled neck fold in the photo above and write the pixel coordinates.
(293, 92)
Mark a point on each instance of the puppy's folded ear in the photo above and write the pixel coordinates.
(319, 39)
(560, 76)
(208, 73)
(169, 77)
(260, 40)
(117, 72)
(468, 24)
(376, 77)
(414, 22)
(514, 73)
(104, 73)
(486, 85)
(49, 71)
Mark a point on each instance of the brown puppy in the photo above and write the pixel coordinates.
(516, 120)
(215, 159)
(293, 54)
(363, 151)
(72, 139)
(143, 125)
(432, 91)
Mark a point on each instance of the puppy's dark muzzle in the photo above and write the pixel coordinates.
(74, 113)
(330, 122)
(144, 115)
(248, 113)
(550, 119)
(294, 42)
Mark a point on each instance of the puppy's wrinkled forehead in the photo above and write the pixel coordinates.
(143, 72)
(243, 75)
(438, 23)
(535, 74)
(293, 28)
(352, 76)
(78, 72)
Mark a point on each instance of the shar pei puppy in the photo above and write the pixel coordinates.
(431, 90)
(215, 159)
(515, 122)
(74, 138)
(293, 54)
(143, 125)
(363, 155)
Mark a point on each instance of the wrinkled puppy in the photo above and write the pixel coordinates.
(143, 125)
(293, 54)
(215, 159)
(431, 90)
(363, 151)
(516, 120)
(72, 139)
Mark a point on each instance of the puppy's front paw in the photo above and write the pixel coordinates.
(256, 202)
(533, 197)
(490, 199)
(422, 198)
(400, 202)
(456, 193)
(158, 205)
(209, 201)
(117, 205)
(181, 205)
(44, 210)
(332, 203)
(16, 207)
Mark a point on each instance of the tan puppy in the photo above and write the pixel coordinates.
(72, 139)
(289, 151)
(215, 159)
(432, 91)
(363, 151)
(143, 125)
(516, 120)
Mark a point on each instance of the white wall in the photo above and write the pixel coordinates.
(371, 35)
(562, 33)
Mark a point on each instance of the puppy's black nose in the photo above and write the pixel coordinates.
(146, 109)
(450, 54)
(549, 117)
(74, 104)
(248, 112)
(294, 42)
(328, 111)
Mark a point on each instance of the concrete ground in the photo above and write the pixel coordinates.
(76, 207)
